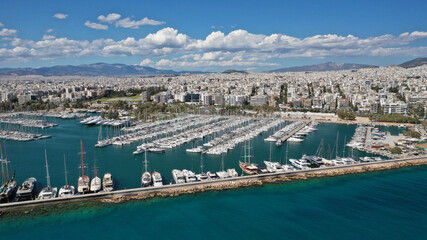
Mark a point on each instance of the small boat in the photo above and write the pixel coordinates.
(107, 182)
(212, 175)
(47, 192)
(138, 151)
(156, 150)
(27, 190)
(157, 179)
(198, 149)
(66, 190)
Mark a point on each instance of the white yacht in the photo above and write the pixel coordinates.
(107, 182)
(212, 175)
(66, 190)
(157, 179)
(27, 190)
(178, 176)
(47, 192)
(198, 149)
(299, 163)
(232, 172)
(273, 166)
(189, 175)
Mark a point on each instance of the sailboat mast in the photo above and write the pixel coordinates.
(7, 164)
(47, 169)
(286, 158)
(201, 163)
(65, 167)
(222, 162)
(94, 163)
(145, 153)
(336, 145)
(343, 147)
(270, 153)
(3, 176)
(81, 153)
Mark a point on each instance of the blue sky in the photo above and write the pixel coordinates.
(211, 35)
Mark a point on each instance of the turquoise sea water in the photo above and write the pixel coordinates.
(27, 158)
(382, 205)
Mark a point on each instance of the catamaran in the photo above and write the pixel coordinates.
(66, 190)
(47, 192)
(83, 182)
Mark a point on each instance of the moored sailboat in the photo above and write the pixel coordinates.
(66, 190)
(47, 192)
(83, 181)
(95, 184)
(146, 176)
(8, 187)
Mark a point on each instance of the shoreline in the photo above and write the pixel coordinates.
(32, 208)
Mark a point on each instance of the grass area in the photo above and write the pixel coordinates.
(135, 98)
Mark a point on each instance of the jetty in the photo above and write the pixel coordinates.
(291, 133)
(219, 184)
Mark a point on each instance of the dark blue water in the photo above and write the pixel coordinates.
(27, 158)
(383, 205)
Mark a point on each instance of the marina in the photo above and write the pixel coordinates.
(178, 163)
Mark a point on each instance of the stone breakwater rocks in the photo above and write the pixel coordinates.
(221, 186)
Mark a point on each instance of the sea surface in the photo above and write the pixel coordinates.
(381, 205)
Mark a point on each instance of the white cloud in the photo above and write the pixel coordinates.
(97, 26)
(1, 25)
(128, 23)
(5, 32)
(60, 16)
(237, 48)
(49, 30)
(110, 18)
(48, 37)
(146, 62)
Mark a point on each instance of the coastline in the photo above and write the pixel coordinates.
(33, 208)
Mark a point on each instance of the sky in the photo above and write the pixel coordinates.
(211, 35)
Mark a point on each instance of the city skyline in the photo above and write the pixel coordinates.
(210, 36)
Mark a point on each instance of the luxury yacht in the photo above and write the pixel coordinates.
(27, 190)
(157, 179)
(299, 163)
(189, 175)
(107, 182)
(178, 176)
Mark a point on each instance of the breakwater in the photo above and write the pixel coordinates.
(172, 190)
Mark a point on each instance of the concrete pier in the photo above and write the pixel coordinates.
(284, 138)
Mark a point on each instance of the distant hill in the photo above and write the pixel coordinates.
(229, 71)
(329, 66)
(414, 63)
(96, 69)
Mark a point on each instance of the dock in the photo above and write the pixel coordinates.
(209, 185)
(284, 138)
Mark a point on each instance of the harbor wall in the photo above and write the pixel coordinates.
(174, 190)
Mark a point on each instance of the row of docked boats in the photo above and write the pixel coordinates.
(278, 135)
(188, 176)
(98, 120)
(299, 136)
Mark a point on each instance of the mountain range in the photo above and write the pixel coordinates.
(105, 69)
